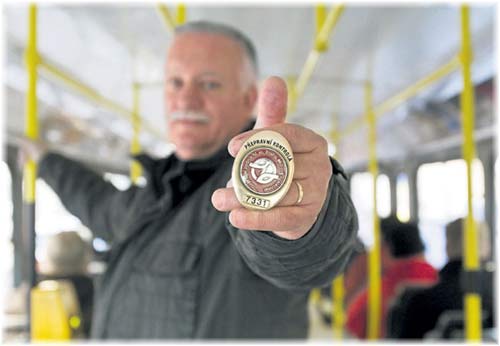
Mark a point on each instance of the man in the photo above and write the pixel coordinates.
(417, 310)
(402, 263)
(181, 268)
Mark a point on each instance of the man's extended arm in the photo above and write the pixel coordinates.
(311, 261)
(96, 202)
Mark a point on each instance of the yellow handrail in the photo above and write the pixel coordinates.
(320, 15)
(168, 19)
(307, 70)
(79, 87)
(135, 145)
(404, 95)
(472, 301)
(180, 15)
(320, 45)
(292, 98)
(420, 85)
(374, 281)
(330, 22)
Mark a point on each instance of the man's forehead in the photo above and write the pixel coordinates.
(203, 39)
(203, 48)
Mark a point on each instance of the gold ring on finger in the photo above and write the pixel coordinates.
(301, 192)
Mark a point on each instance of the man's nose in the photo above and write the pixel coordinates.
(189, 97)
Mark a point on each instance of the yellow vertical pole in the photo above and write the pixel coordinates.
(135, 145)
(298, 85)
(31, 117)
(374, 289)
(180, 17)
(338, 313)
(472, 301)
(30, 167)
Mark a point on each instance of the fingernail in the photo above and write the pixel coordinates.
(231, 221)
(231, 146)
(215, 200)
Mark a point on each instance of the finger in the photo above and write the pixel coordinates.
(272, 103)
(312, 196)
(311, 165)
(301, 139)
(292, 196)
(282, 219)
(225, 199)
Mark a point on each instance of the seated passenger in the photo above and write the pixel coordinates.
(403, 264)
(355, 274)
(417, 310)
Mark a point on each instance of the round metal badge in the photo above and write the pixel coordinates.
(263, 170)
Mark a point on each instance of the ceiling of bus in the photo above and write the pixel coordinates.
(108, 47)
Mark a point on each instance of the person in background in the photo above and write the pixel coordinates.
(186, 259)
(417, 310)
(67, 256)
(404, 264)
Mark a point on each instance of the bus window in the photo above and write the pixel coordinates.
(361, 193)
(442, 197)
(383, 195)
(403, 198)
(52, 217)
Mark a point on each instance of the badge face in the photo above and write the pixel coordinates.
(263, 170)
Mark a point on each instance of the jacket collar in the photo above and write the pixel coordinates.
(155, 168)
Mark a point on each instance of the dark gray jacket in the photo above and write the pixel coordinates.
(178, 269)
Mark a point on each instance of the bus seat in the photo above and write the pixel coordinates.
(55, 311)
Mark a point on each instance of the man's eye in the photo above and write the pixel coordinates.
(210, 85)
(174, 83)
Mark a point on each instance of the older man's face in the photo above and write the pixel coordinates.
(206, 99)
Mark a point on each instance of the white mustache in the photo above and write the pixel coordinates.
(190, 115)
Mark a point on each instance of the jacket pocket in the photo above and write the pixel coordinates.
(162, 292)
(169, 258)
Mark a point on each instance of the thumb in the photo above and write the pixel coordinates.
(272, 104)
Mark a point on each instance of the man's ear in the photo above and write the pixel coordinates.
(250, 97)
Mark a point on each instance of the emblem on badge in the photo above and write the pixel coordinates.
(263, 170)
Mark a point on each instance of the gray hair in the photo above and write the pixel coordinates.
(228, 31)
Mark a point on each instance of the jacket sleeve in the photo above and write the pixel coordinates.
(313, 260)
(85, 194)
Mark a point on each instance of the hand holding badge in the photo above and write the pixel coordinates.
(263, 170)
(280, 174)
